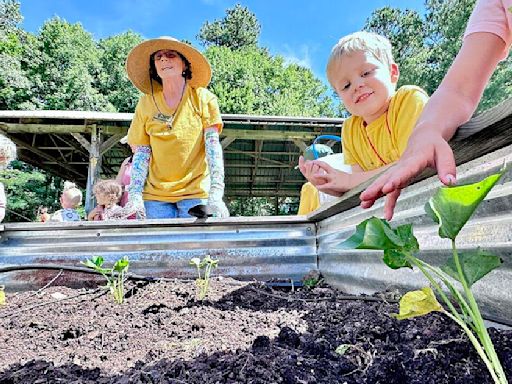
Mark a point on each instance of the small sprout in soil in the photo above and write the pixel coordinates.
(115, 276)
(312, 279)
(451, 208)
(203, 279)
(342, 349)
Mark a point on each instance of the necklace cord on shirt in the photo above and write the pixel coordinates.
(162, 117)
(371, 144)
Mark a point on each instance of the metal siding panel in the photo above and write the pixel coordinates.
(363, 271)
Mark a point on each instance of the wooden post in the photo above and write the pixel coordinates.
(94, 167)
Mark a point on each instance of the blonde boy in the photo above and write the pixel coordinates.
(362, 72)
(70, 199)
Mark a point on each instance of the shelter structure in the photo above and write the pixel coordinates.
(261, 152)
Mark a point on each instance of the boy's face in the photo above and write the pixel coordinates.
(364, 84)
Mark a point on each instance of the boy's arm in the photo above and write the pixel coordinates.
(336, 183)
(449, 107)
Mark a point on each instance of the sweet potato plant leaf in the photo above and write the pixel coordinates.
(451, 207)
(406, 235)
(395, 259)
(418, 303)
(373, 233)
(121, 264)
(474, 264)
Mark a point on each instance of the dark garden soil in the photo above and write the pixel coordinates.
(244, 333)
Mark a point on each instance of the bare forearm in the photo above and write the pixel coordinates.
(357, 178)
(459, 93)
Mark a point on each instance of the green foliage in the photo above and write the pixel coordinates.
(112, 79)
(451, 207)
(27, 188)
(203, 280)
(474, 265)
(251, 81)
(115, 276)
(238, 29)
(425, 45)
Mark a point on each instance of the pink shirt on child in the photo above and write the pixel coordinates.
(494, 16)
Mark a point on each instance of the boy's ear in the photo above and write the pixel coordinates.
(395, 73)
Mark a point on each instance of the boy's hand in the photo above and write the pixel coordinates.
(425, 149)
(333, 182)
(311, 171)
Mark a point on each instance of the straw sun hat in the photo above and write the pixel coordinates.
(137, 63)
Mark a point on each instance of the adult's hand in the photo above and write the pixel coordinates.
(217, 208)
(426, 149)
(135, 205)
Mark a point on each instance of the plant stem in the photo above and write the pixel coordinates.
(477, 318)
(456, 294)
(434, 283)
(477, 346)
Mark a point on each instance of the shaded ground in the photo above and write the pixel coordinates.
(242, 334)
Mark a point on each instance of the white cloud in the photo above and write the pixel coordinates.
(300, 56)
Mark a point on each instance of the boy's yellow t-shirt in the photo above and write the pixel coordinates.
(177, 169)
(309, 199)
(388, 145)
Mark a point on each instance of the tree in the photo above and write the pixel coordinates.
(113, 81)
(27, 189)
(251, 81)
(238, 29)
(14, 85)
(63, 69)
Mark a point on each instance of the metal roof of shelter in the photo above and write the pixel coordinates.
(260, 152)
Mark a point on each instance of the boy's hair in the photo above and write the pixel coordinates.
(7, 151)
(72, 194)
(111, 189)
(378, 45)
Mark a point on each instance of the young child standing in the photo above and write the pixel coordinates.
(108, 195)
(362, 72)
(70, 199)
(7, 154)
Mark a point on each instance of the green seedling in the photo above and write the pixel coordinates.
(451, 208)
(115, 276)
(203, 280)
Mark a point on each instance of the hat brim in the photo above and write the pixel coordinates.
(137, 63)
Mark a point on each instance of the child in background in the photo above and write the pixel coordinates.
(70, 199)
(362, 72)
(7, 154)
(124, 176)
(42, 214)
(108, 194)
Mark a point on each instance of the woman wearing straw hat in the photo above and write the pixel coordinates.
(177, 162)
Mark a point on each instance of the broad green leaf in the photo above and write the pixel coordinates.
(121, 264)
(97, 260)
(373, 233)
(406, 235)
(418, 303)
(451, 207)
(474, 264)
(395, 259)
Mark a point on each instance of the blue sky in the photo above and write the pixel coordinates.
(301, 31)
